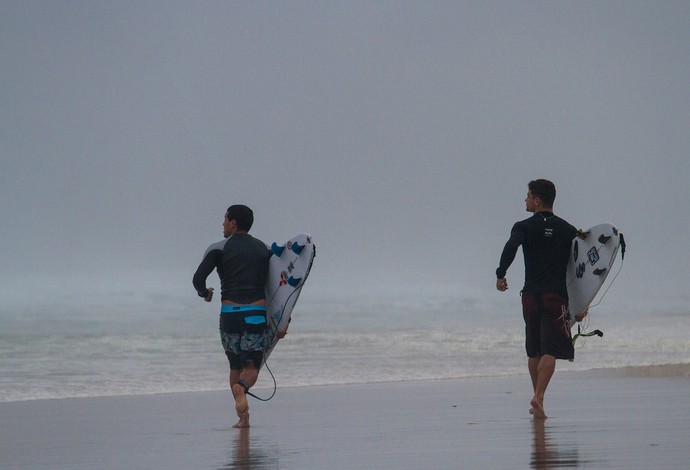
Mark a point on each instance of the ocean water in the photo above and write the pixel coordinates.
(140, 344)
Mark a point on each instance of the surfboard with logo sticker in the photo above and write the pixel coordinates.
(590, 262)
(288, 270)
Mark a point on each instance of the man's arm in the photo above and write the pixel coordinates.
(516, 239)
(206, 267)
(199, 280)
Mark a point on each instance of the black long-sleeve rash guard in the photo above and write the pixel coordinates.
(242, 265)
(546, 241)
(211, 260)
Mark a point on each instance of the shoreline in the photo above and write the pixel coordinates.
(600, 418)
(656, 370)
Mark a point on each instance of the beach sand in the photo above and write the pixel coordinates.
(625, 418)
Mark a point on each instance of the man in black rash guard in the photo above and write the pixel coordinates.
(242, 265)
(546, 240)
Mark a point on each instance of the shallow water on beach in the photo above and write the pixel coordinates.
(142, 346)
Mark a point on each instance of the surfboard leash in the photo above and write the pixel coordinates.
(298, 289)
(275, 383)
(581, 332)
(275, 386)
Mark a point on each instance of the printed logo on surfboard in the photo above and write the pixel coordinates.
(580, 271)
(283, 279)
(593, 256)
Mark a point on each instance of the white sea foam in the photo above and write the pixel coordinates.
(146, 346)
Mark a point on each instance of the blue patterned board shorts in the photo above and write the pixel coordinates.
(238, 342)
(243, 334)
(242, 349)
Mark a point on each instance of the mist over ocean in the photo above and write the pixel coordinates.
(141, 341)
(401, 135)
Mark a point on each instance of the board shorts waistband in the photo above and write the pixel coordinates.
(243, 318)
(241, 308)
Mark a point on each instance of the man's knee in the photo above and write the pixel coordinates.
(251, 359)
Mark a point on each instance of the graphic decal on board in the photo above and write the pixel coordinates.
(580, 271)
(593, 255)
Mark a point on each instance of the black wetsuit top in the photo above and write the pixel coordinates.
(242, 265)
(546, 240)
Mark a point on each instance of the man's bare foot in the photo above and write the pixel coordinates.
(241, 405)
(243, 422)
(537, 409)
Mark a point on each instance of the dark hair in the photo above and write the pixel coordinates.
(544, 190)
(243, 215)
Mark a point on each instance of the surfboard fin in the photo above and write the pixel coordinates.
(294, 282)
(576, 250)
(297, 248)
(599, 271)
(277, 250)
(603, 239)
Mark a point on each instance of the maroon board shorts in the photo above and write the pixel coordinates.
(547, 329)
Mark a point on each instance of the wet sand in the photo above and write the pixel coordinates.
(624, 418)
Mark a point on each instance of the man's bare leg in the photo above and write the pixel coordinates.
(243, 422)
(545, 370)
(248, 376)
(532, 364)
(238, 390)
(241, 406)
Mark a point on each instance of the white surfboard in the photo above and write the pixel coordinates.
(288, 269)
(590, 262)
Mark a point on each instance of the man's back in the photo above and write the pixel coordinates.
(244, 269)
(546, 247)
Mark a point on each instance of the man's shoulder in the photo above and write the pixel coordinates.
(564, 222)
(247, 241)
(255, 241)
(259, 243)
(217, 246)
(524, 222)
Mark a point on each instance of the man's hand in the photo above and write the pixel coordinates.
(209, 297)
(502, 284)
(581, 234)
(582, 315)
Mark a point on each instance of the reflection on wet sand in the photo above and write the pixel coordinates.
(546, 453)
(248, 455)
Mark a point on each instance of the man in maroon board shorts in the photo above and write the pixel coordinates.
(546, 240)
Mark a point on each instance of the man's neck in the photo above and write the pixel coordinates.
(543, 209)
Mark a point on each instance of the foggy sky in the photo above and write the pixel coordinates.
(400, 134)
